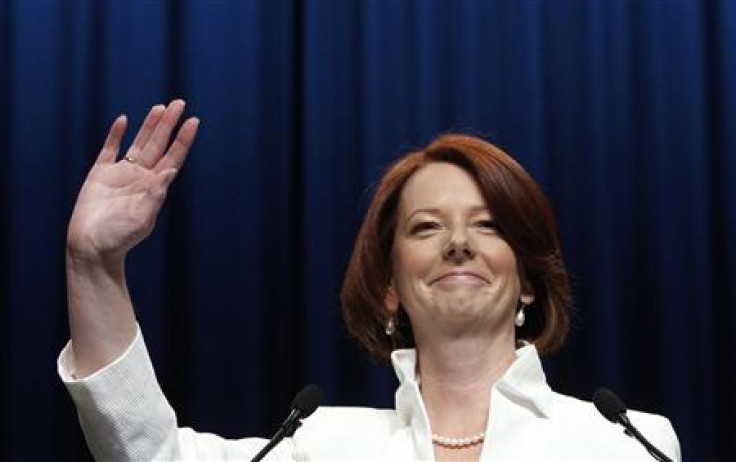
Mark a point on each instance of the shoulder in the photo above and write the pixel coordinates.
(570, 408)
(583, 418)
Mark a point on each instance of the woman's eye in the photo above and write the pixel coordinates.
(424, 226)
(487, 224)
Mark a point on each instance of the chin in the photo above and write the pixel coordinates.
(461, 301)
(463, 309)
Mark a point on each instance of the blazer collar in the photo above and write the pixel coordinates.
(524, 381)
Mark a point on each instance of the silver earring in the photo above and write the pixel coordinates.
(390, 326)
(520, 316)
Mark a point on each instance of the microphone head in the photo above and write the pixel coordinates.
(307, 400)
(608, 404)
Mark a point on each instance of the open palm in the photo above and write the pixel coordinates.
(120, 199)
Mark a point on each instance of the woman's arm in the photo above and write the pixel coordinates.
(115, 210)
(126, 417)
(106, 367)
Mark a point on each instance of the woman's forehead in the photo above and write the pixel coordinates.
(441, 186)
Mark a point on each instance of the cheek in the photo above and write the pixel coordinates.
(501, 259)
(414, 260)
(412, 264)
(505, 259)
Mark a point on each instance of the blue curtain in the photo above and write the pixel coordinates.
(625, 112)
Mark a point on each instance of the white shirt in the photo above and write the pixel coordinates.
(125, 416)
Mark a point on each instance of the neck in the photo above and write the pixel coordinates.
(456, 379)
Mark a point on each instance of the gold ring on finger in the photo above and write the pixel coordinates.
(130, 159)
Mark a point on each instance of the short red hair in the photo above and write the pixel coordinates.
(525, 220)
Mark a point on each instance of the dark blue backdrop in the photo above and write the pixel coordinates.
(625, 111)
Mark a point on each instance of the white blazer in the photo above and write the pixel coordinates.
(125, 416)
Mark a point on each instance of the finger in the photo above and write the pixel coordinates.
(159, 139)
(109, 151)
(167, 177)
(160, 184)
(157, 191)
(149, 124)
(179, 149)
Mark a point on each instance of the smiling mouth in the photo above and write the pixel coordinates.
(460, 279)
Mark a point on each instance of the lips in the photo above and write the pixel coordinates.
(460, 277)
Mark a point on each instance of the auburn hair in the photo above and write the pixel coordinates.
(524, 218)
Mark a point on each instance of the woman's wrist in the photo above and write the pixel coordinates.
(81, 261)
(101, 318)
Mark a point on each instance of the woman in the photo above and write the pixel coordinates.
(456, 277)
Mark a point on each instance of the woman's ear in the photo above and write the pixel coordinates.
(527, 292)
(391, 300)
(527, 295)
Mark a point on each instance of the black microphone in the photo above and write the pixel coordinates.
(304, 404)
(614, 410)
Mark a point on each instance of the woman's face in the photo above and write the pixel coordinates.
(451, 268)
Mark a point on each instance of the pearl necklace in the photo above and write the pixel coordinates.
(458, 443)
(453, 443)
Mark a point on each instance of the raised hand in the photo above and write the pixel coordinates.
(120, 199)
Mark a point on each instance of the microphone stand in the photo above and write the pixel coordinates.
(287, 429)
(634, 433)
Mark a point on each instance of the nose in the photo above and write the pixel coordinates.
(458, 250)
